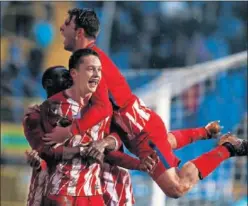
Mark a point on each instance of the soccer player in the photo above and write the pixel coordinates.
(80, 30)
(77, 181)
(55, 79)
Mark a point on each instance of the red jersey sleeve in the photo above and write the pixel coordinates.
(115, 81)
(123, 160)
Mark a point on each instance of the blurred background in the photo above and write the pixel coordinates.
(193, 54)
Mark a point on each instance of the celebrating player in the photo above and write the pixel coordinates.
(75, 180)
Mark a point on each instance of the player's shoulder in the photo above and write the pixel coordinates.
(98, 50)
(31, 112)
(32, 109)
(58, 97)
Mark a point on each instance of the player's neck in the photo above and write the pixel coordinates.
(79, 96)
(87, 43)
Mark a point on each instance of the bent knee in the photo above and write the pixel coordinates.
(177, 190)
(171, 184)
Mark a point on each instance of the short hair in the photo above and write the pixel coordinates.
(49, 73)
(76, 59)
(86, 19)
(56, 79)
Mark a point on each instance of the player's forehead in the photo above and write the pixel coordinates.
(91, 60)
(70, 20)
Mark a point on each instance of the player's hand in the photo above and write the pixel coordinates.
(147, 164)
(97, 146)
(33, 159)
(58, 135)
(95, 150)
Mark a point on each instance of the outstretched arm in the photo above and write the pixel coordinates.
(126, 161)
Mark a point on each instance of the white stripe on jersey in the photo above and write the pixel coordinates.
(110, 183)
(88, 178)
(124, 183)
(75, 108)
(116, 185)
(141, 112)
(56, 180)
(75, 171)
(130, 117)
(94, 132)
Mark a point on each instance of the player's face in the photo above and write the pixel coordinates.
(88, 75)
(68, 31)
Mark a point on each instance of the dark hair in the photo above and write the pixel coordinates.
(56, 79)
(86, 19)
(76, 59)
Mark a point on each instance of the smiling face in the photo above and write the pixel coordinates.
(88, 74)
(69, 32)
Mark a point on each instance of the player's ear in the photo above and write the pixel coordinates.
(73, 73)
(80, 33)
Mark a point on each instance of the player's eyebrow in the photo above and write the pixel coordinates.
(93, 66)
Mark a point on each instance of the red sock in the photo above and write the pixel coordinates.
(209, 161)
(187, 136)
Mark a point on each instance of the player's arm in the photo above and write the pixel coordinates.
(32, 127)
(115, 81)
(34, 132)
(126, 161)
(111, 142)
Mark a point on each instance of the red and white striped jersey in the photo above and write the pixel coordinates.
(77, 177)
(133, 118)
(117, 186)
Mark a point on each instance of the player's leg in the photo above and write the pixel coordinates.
(181, 138)
(175, 183)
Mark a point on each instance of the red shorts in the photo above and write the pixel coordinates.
(156, 132)
(62, 200)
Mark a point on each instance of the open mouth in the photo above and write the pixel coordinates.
(93, 82)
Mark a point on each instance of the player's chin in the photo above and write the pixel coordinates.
(92, 89)
(67, 47)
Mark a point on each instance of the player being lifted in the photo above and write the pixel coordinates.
(80, 30)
